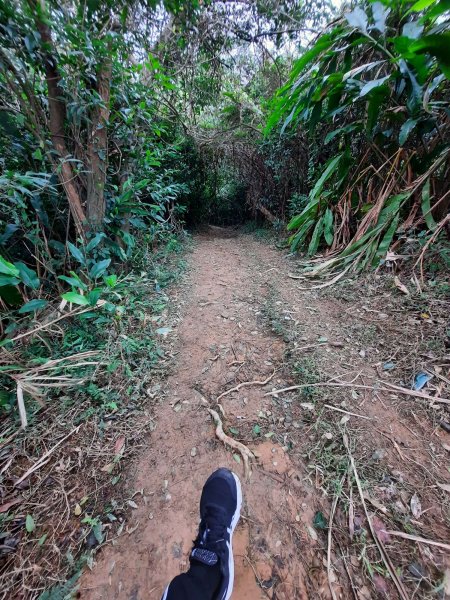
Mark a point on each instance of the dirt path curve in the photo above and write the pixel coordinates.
(221, 342)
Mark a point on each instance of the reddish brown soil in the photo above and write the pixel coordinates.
(223, 340)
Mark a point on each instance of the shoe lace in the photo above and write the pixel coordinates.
(212, 529)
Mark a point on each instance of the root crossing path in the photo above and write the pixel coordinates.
(222, 341)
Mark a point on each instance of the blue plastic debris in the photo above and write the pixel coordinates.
(388, 366)
(421, 380)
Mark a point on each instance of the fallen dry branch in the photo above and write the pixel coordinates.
(223, 437)
(414, 393)
(323, 285)
(21, 406)
(392, 387)
(43, 460)
(245, 384)
(416, 538)
(387, 561)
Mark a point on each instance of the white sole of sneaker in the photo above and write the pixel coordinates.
(234, 522)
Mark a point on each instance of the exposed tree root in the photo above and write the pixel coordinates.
(223, 437)
(245, 384)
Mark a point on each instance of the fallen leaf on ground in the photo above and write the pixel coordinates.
(401, 286)
(444, 486)
(7, 505)
(120, 443)
(380, 529)
(374, 502)
(108, 468)
(380, 584)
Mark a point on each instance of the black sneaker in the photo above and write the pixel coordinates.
(220, 509)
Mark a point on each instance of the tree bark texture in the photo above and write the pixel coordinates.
(57, 115)
(98, 148)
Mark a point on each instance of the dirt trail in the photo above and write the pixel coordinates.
(223, 340)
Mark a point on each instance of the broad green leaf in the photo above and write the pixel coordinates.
(375, 100)
(387, 239)
(405, 130)
(328, 226)
(94, 295)
(33, 306)
(297, 239)
(8, 280)
(30, 525)
(421, 5)
(341, 131)
(111, 280)
(371, 85)
(331, 167)
(75, 298)
(436, 44)
(8, 268)
(9, 231)
(73, 281)
(315, 239)
(28, 276)
(308, 212)
(351, 74)
(95, 241)
(99, 268)
(426, 207)
(76, 253)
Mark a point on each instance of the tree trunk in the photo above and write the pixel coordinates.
(57, 115)
(269, 216)
(98, 149)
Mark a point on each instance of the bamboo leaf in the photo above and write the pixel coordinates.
(426, 207)
(328, 226)
(33, 306)
(76, 253)
(331, 167)
(8, 268)
(315, 239)
(405, 130)
(371, 85)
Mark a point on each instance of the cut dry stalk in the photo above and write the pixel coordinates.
(223, 437)
(21, 406)
(73, 313)
(392, 387)
(346, 412)
(416, 538)
(387, 561)
(245, 384)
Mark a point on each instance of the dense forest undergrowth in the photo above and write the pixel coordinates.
(126, 127)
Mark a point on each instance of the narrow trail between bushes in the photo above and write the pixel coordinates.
(222, 339)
